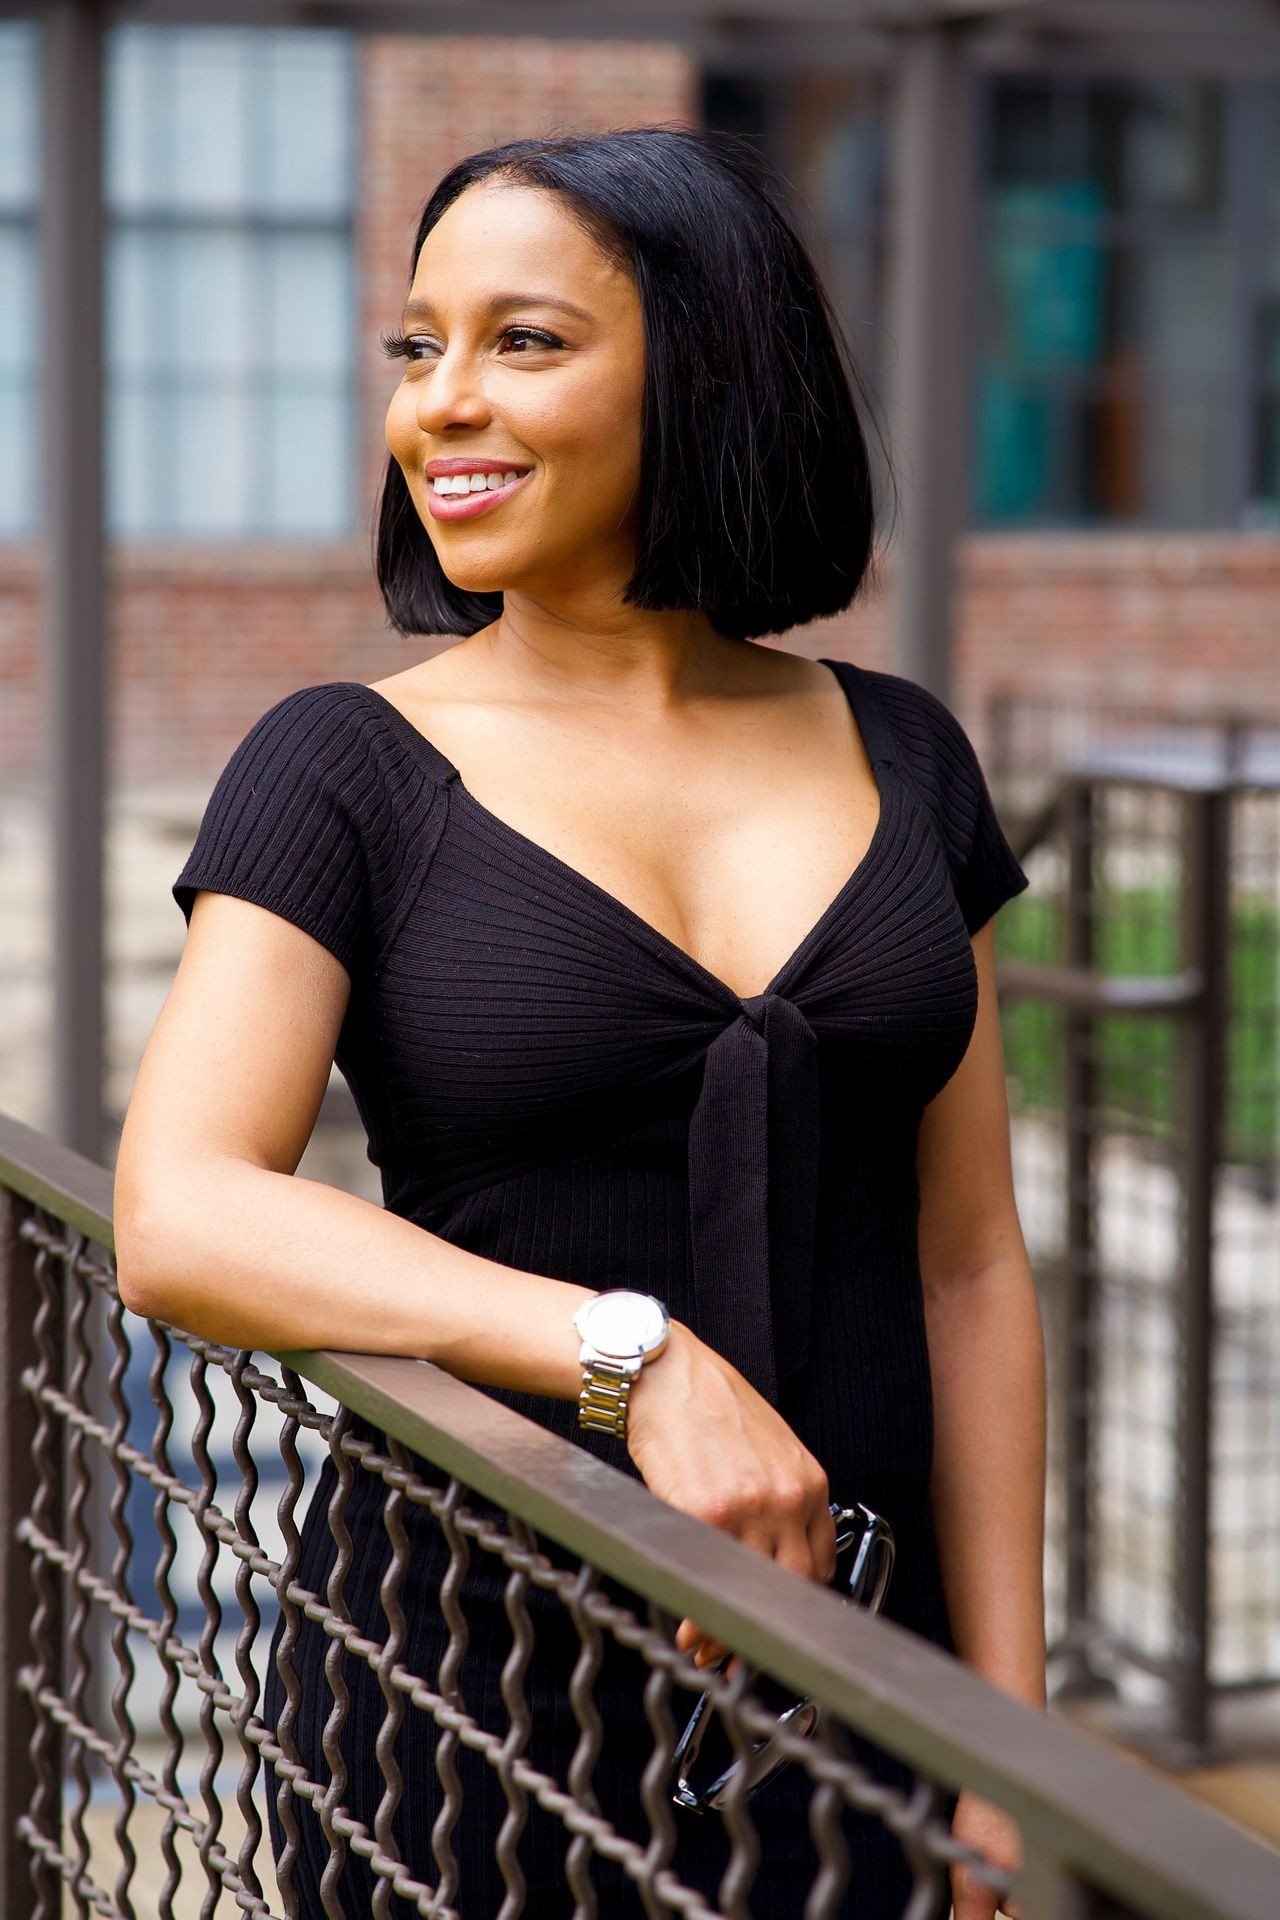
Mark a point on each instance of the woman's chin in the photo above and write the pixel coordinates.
(475, 579)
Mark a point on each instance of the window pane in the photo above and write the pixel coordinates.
(1187, 324)
(138, 459)
(204, 289)
(309, 299)
(1264, 508)
(213, 429)
(849, 168)
(134, 72)
(1185, 462)
(1015, 440)
(1022, 145)
(311, 462)
(1271, 153)
(17, 300)
(134, 318)
(19, 468)
(306, 112)
(19, 133)
(1268, 324)
(1046, 298)
(207, 163)
(19, 374)
(1156, 145)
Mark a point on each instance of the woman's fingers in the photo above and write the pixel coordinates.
(807, 1546)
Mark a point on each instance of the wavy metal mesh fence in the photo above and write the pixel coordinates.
(156, 1534)
(209, 1696)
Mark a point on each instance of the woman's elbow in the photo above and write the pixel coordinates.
(139, 1262)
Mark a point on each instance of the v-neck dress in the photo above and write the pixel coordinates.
(547, 1080)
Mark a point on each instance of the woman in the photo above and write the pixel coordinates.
(656, 960)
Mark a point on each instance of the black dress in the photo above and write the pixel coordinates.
(550, 1082)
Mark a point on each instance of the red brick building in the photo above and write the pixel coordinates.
(1089, 592)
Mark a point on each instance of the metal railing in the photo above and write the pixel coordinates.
(92, 1619)
(1140, 988)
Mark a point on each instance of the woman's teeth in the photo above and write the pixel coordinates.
(471, 482)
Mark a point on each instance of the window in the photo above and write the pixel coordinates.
(230, 296)
(230, 299)
(1128, 282)
(1264, 347)
(1128, 279)
(19, 366)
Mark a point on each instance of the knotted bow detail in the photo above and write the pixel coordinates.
(753, 1170)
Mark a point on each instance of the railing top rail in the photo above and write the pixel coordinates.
(57, 1178)
(1109, 1819)
(1092, 1809)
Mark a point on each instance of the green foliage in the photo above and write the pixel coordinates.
(1137, 1054)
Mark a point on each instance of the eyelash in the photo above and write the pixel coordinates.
(399, 346)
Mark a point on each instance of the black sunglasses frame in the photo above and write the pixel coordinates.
(865, 1550)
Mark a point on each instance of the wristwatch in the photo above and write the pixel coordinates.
(621, 1332)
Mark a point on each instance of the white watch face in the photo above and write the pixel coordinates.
(623, 1322)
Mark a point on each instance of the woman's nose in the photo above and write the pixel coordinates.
(454, 395)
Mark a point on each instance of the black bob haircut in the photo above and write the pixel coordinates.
(756, 488)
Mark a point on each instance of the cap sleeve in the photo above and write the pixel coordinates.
(984, 870)
(940, 759)
(990, 873)
(282, 827)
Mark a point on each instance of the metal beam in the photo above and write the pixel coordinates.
(932, 230)
(1153, 23)
(72, 331)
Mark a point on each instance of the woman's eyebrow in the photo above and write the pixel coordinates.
(423, 309)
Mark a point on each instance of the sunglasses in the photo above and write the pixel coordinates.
(704, 1765)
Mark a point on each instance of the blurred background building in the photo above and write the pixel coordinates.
(1123, 349)
(1114, 629)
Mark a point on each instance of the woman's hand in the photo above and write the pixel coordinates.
(706, 1442)
(993, 1834)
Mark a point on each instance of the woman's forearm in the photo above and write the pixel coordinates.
(253, 1258)
(986, 1352)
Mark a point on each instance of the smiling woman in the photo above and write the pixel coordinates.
(668, 368)
(657, 962)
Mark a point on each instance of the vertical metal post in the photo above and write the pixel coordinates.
(1207, 907)
(1079, 1301)
(72, 330)
(26, 1885)
(932, 246)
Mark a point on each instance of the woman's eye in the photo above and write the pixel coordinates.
(399, 346)
(535, 334)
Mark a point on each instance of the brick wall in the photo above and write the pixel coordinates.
(203, 638)
(1189, 621)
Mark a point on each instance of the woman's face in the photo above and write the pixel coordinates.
(525, 354)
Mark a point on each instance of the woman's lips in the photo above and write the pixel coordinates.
(464, 506)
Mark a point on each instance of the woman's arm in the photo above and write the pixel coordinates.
(986, 1353)
(216, 1234)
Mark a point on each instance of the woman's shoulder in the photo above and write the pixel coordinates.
(321, 812)
(926, 730)
(339, 725)
(938, 758)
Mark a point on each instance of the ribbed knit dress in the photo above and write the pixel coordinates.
(548, 1081)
